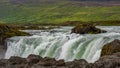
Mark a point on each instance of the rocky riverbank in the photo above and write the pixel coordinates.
(7, 31)
(106, 60)
(110, 56)
(10, 30)
(34, 61)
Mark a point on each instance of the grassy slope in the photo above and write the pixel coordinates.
(55, 12)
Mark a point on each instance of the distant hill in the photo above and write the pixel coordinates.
(56, 11)
(82, 2)
(96, 0)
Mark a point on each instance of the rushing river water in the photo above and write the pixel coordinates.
(59, 43)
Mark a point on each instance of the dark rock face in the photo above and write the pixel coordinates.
(77, 63)
(16, 60)
(34, 61)
(13, 62)
(50, 62)
(3, 62)
(87, 29)
(6, 32)
(112, 61)
(111, 48)
(2, 51)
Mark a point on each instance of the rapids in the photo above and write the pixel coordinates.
(59, 43)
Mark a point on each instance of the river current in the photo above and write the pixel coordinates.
(59, 43)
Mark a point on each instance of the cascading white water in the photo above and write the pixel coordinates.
(60, 44)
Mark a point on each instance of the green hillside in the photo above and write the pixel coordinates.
(54, 12)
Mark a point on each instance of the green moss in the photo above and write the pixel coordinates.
(6, 32)
(111, 48)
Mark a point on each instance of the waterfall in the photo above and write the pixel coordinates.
(60, 45)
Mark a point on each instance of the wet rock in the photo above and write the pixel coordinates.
(110, 61)
(7, 31)
(3, 62)
(14, 60)
(2, 51)
(87, 29)
(33, 59)
(111, 48)
(117, 54)
(91, 65)
(77, 64)
(60, 63)
(47, 62)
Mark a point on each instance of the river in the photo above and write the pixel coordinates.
(59, 43)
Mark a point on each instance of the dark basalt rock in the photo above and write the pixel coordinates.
(111, 48)
(33, 59)
(16, 60)
(3, 62)
(7, 31)
(109, 61)
(60, 63)
(49, 63)
(87, 29)
(77, 63)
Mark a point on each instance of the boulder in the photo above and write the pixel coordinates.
(60, 63)
(86, 29)
(33, 59)
(110, 61)
(47, 62)
(77, 64)
(14, 60)
(110, 48)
